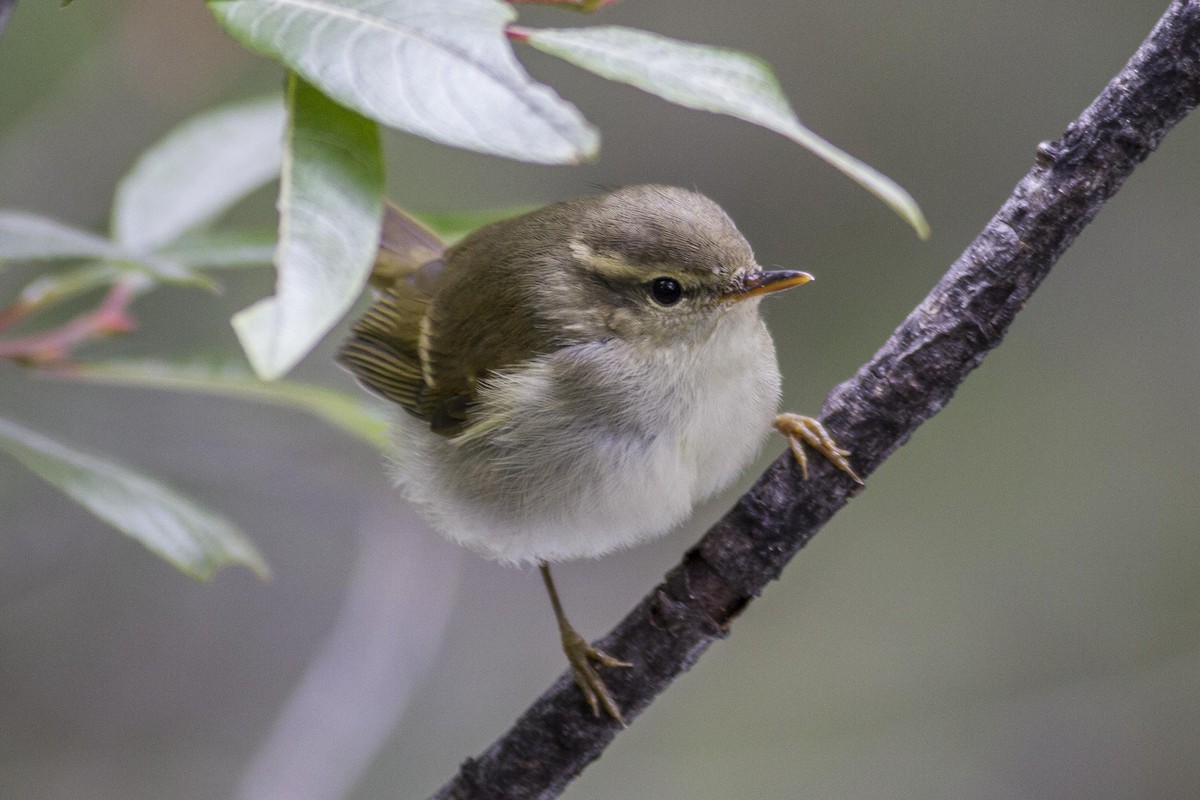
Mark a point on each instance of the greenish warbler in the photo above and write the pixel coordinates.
(575, 379)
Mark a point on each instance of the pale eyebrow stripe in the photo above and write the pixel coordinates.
(613, 265)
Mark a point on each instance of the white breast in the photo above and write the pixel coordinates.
(618, 451)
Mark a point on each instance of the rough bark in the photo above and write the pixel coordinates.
(907, 381)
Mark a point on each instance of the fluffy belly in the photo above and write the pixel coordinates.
(556, 466)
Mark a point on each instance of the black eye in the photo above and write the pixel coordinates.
(666, 291)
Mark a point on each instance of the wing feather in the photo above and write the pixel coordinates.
(383, 350)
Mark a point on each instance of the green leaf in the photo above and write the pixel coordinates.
(195, 540)
(363, 420)
(441, 69)
(222, 249)
(330, 211)
(199, 170)
(710, 79)
(31, 237)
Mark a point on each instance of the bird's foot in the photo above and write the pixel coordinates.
(801, 430)
(581, 656)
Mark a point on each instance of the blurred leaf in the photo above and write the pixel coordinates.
(200, 169)
(31, 237)
(166, 270)
(441, 69)
(711, 79)
(454, 225)
(53, 288)
(330, 211)
(222, 249)
(361, 419)
(195, 540)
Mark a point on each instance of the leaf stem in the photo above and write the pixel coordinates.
(586, 6)
(55, 345)
(14, 313)
(518, 33)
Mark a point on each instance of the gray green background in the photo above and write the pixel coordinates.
(1010, 609)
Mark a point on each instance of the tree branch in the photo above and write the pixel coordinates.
(909, 380)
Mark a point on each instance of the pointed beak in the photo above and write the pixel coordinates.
(759, 283)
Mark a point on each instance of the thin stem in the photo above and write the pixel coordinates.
(574, 5)
(517, 33)
(56, 345)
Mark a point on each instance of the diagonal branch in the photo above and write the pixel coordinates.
(909, 380)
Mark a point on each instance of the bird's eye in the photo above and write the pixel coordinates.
(666, 291)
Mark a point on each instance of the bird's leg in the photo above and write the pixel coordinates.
(580, 654)
(801, 430)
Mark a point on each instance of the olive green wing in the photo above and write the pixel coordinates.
(392, 352)
(384, 353)
(436, 331)
(405, 245)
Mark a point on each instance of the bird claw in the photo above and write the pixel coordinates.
(580, 655)
(801, 430)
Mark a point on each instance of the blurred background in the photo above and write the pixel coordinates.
(1010, 609)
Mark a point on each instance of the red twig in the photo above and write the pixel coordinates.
(52, 346)
(577, 5)
(13, 314)
(517, 33)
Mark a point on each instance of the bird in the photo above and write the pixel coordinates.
(576, 379)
